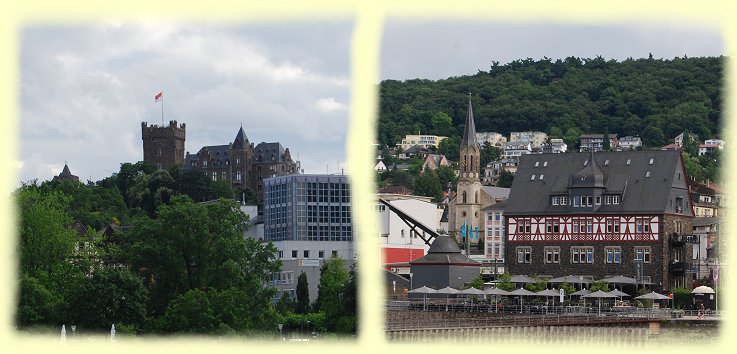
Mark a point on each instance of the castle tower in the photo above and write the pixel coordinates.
(468, 201)
(163, 147)
(241, 155)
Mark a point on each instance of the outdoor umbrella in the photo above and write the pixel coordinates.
(522, 279)
(652, 296)
(620, 279)
(570, 279)
(423, 290)
(548, 293)
(448, 291)
(702, 290)
(495, 292)
(600, 295)
(618, 293)
(521, 292)
(581, 293)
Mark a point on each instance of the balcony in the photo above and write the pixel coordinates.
(693, 239)
(679, 268)
(677, 240)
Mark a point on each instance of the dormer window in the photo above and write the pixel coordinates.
(537, 163)
(651, 161)
(628, 161)
(541, 177)
(606, 163)
(545, 164)
(586, 162)
(532, 178)
(647, 174)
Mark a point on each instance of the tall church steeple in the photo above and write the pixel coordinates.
(470, 151)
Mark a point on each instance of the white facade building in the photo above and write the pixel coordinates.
(535, 138)
(517, 149)
(425, 141)
(399, 243)
(494, 139)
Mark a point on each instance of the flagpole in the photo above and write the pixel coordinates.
(162, 108)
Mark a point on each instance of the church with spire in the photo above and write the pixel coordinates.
(471, 198)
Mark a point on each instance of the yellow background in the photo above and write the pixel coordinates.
(369, 17)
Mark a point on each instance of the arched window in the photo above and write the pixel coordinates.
(465, 163)
(476, 197)
(464, 197)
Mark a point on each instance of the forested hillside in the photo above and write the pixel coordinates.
(655, 99)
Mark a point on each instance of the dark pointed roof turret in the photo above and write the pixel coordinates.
(469, 133)
(241, 140)
(589, 176)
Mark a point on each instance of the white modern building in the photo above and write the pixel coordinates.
(425, 141)
(630, 142)
(517, 148)
(535, 138)
(494, 139)
(399, 243)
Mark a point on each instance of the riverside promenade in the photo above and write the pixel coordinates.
(558, 324)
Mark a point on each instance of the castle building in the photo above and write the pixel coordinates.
(65, 175)
(240, 163)
(163, 147)
(596, 215)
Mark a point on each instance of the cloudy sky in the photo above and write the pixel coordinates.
(85, 91)
(441, 49)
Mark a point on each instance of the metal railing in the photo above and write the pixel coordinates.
(409, 322)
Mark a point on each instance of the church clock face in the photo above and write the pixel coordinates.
(583, 178)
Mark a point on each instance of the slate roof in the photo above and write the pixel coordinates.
(263, 152)
(640, 194)
(217, 153)
(469, 132)
(496, 192)
(444, 250)
(241, 140)
(704, 221)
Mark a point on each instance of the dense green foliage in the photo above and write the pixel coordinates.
(652, 98)
(152, 260)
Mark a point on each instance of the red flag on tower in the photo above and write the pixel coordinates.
(158, 96)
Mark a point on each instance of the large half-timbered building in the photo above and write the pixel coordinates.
(596, 215)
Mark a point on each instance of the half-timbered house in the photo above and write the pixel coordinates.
(596, 215)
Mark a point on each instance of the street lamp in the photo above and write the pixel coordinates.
(410, 281)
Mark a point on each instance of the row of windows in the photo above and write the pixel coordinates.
(306, 254)
(584, 225)
(582, 254)
(584, 201)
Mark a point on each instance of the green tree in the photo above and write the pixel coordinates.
(442, 124)
(428, 184)
(599, 285)
(488, 154)
(568, 288)
(44, 234)
(480, 244)
(333, 277)
(303, 295)
(504, 282)
(189, 313)
(506, 179)
(446, 175)
(477, 283)
(148, 191)
(109, 297)
(607, 144)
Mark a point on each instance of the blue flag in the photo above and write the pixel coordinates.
(463, 230)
